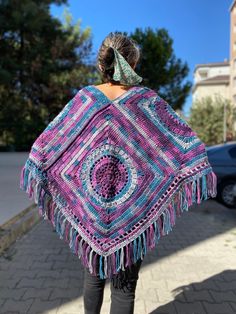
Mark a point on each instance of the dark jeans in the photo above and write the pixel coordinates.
(122, 297)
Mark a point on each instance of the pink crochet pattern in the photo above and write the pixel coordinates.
(112, 176)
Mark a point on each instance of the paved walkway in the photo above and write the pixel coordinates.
(192, 271)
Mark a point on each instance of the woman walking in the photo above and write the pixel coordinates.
(112, 171)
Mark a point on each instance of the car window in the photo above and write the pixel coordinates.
(213, 149)
(219, 152)
(232, 152)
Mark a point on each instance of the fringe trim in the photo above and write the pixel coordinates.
(119, 262)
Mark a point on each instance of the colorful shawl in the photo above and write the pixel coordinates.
(112, 175)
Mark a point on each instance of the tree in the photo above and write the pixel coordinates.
(43, 62)
(207, 119)
(160, 68)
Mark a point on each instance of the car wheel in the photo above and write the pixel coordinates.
(226, 193)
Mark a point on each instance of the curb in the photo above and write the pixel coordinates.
(14, 228)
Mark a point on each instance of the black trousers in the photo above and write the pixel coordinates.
(122, 295)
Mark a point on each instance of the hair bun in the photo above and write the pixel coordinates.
(108, 58)
(126, 46)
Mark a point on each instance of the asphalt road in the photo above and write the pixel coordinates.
(12, 199)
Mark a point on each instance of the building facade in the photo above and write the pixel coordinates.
(233, 52)
(211, 79)
(218, 78)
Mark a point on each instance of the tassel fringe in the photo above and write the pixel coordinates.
(192, 191)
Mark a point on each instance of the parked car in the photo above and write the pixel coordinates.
(222, 158)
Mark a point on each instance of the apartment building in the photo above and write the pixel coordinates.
(218, 78)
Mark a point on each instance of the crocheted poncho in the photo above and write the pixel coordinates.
(112, 176)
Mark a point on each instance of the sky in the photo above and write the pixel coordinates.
(199, 28)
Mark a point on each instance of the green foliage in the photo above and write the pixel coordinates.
(207, 119)
(160, 68)
(43, 63)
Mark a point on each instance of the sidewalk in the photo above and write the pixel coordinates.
(191, 271)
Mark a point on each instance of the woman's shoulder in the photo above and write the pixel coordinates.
(143, 87)
(143, 90)
(146, 93)
(151, 94)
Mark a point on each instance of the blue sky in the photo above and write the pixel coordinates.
(199, 29)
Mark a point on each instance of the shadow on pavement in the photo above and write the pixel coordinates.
(39, 273)
(213, 295)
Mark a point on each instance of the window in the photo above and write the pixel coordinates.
(234, 81)
(235, 63)
(232, 152)
(204, 75)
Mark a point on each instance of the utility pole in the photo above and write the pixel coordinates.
(224, 121)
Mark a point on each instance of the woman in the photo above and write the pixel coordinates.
(118, 79)
(112, 171)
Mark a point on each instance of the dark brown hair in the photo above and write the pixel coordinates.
(126, 46)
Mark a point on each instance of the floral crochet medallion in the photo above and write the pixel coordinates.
(112, 176)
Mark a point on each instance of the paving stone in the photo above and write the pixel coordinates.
(21, 265)
(39, 265)
(75, 282)
(10, 312)
(72, 274)
(11, 306)
(38, 306)
(58, 293)
(139, 306)
(42, 273)
(148, 294)
(6, 275)
(55, 283)
(72, 306)
(17, 274)
(33, 293)
(179, 297)
(29, 259)
(223, 296)
(233, 305)
(198, 296)
(73, 265)
(225, 286)
(218, 308)
(190, 308)
(159, 274)
(164, 295)
(16, 294)
(56, 257)
(4, 265)
(207, 285)
(46, 250)
(167, 308)
(26, 283)
(10, 283)
(230, 275)
(189, 272)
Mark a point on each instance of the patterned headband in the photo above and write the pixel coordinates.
(123, 72)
